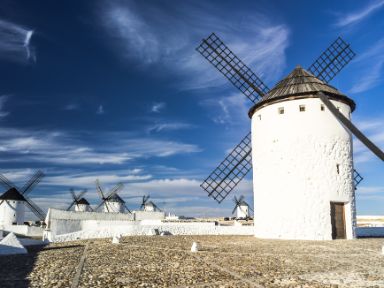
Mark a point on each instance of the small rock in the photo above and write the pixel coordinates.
(195, 247)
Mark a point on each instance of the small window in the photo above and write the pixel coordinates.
(302, 108)
(338, 168)
(338, 108)
(322, 108)
(259, 117)
(281, 110)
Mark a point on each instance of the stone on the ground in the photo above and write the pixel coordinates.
(11, 245)
(195, 247)
(116, 239)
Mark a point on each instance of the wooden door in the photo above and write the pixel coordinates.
(338, 221)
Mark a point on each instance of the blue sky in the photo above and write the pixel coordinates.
(115, 90)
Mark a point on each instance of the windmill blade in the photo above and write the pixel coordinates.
(126, 208)
(99, 190)
(332, 60)
(234, 209)
(230, 172)
(35, 179)
(145, 199)
(156, 207)
(348, 124)
(114, 190)
(70, 206)
(1, 202)
(35, 209)
(74, 197)
(101, 204)
(242, 77)
(6, 182)
(357, 178)
(235, 200)
(81, 194)
(249, 207)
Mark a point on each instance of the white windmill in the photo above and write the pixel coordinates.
(242, 208)
(111, 202)
(81, 204)
(13, 201)
(301, 149)
(148, 206)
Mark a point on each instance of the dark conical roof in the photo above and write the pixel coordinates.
(300, 84)
(115, 198)
(83, 201)
(12, 194)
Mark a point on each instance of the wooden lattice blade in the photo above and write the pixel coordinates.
(230, 171)
(239, 74)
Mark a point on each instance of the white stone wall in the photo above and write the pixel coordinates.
(136, 229)
(11, 211)
(31, 231)
(301, 162)
(64, 222)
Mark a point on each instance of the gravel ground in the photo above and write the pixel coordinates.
(224, 261)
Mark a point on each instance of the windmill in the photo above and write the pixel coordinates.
(241, 208)
(111, 202)
(149, 206)
(299, 151)
(13, 201)
(81, 204)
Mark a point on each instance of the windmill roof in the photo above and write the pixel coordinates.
(300, 84)
(12, 194)
(83, 201)
(115, 198)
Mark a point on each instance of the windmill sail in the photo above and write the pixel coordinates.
(332, 60)
(230, 172)
(239, 74)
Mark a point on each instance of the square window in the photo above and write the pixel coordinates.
(322, 108)
(259, 117)
(281, 110)
(301, 108)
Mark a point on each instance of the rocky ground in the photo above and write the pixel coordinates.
(166, 261)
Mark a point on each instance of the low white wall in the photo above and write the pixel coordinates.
(64, 222)
(135, 229)
(31, 231)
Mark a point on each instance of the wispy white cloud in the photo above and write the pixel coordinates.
(371, 190)
(370, 67)
(100, 110)
(3, 100)
(228, 109)
(17, 145)
(147, 34)
(169, 126)
(71, 107)
(158, 107)
(357, 16)
(15, 42)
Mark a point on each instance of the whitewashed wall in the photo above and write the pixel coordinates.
(64, 222)
(11, 211)
(294, 170)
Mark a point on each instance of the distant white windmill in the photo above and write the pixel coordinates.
(241, 208)
(111, 202)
